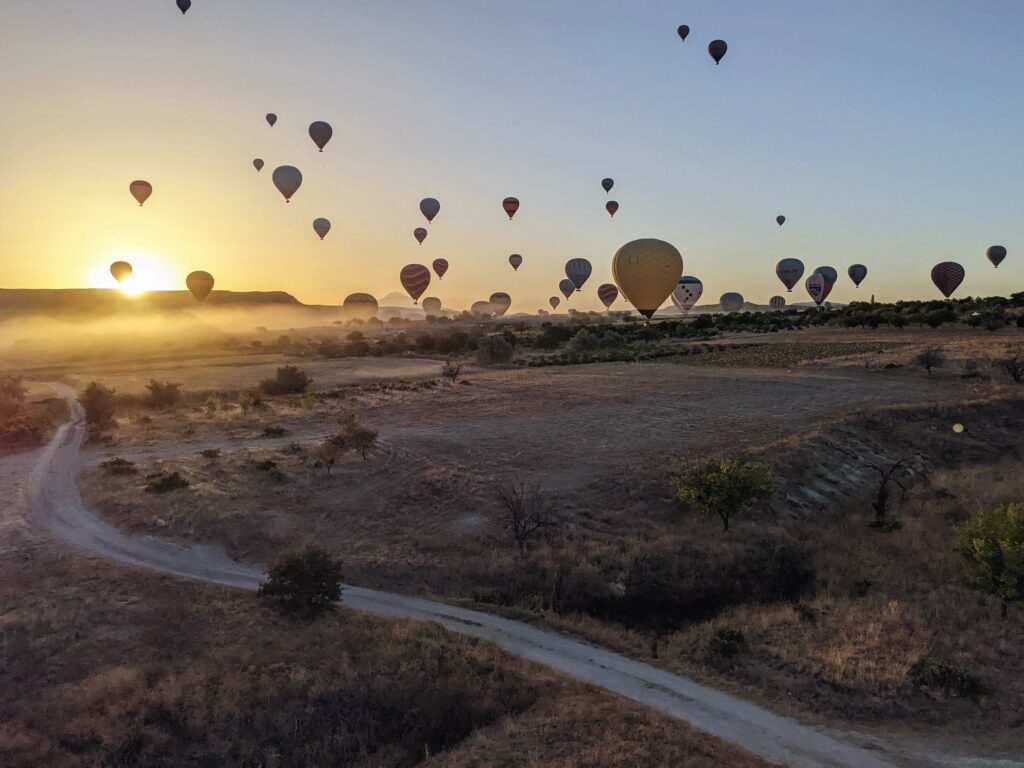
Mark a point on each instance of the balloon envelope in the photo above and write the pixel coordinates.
(578, 271)
(200, 284)
(683, 31)
(612, 207)
(731, 302)
(789, 272)
(257, 164)
(647, 271)
(818, 287)
(360, 306)
(996, 254)
(607, 293)
(829, 274)
(607, 184)
(321, 227)
(511, 205)
(141, 190)
(440, 267)
(287, 179)
(184, 5)
(415, 279)
(717, 49)
(320, 132)
(857, 273)
(481, 308)
(567, 287)
(554, 301)
(420, 234)
(947, 277)
(780, 220)
(271, 119)
(687, 292)
(120, 270)
(431, 305)
(500, 302)
(430, 207)
(777, 302)
(516, 261)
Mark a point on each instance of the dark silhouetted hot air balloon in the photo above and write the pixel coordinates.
(271, 119)
(554, 301)
(415, 279)
(684, 31)
(500, 303)
(516, 261)
(731, 302)
(321, 227)
(830, 275)
(947, 277)
(440, 267)
(607, 184)
(818, 287)
(287, 179)
(430, 207)
(511, 205)
(481, 308)
(647, 271)
(687, 292)
(607, 293)
(360, 306)
(200, 284)
(996, 254)
(578, 270)
(566, 287)
(320, 132)
(257, 164)
(141, 190)
(857, 273)
(789, 272)
(420, 234)
(184, 5)
(431, 305)
(717, 49)
(777, 302)
(612, 207)
(121, 270)
(780, 220)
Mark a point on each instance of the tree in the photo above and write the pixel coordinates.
(1014, 367)
(304, 585)
(930, 358)
(289, 380)
(524, 511)
(12, 388)
(888, 472)
(362, 439)
(99, 405)
(725, 487)
(330, 450)
(992, 545)
(494, 350)
(451, 369)
(162, 394)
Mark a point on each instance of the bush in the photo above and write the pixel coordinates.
(727, 642)
(494, 350)
(992, 546)
(162, 394)
(210, 453)
(289, 380)
(930, 358)
(272, 430)
(725, 487)
(361, 439)
(451, 369)
(584, 341)
(166, 482)
(118, 466)
(98, 402)
(940, 676)
(1014, 367)
(305, 585)
(12, 388)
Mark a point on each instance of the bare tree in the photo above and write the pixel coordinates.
(888, 472)
(929, 358)
(524, 512)
(451, 369)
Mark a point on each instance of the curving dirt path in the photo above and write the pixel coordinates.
(54, 502)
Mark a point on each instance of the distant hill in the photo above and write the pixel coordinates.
(100, 302)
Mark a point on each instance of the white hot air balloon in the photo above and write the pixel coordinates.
(687, 293)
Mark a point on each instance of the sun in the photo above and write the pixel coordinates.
(150, 272)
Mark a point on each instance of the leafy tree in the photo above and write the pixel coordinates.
(99, 405)
(305, 585)
(494, 350)
(162, 394)
(584, 341)
(451, 369)
(930, 358)
(725, 487)
(992, 545)
(362, 440)
(289, 380)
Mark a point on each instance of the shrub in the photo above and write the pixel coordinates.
(118, 466)
(12, 388)
(272, 430)
(210, 453)
(451, 369)
(165, 482)
(494, 350)
(725, 487)
(305, 585)
(727, 642)
(992, 546)
(162, 394)
(289, 380)
(940, 676)
(1014, 367)
(584, 341)
(361, 439)
(930, 358)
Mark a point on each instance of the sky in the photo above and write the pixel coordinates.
(888, 133)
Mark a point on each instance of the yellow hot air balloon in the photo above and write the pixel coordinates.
(199, 284)
(121, 270)
(647, 272)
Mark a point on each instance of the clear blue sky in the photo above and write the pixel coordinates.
(889, 133)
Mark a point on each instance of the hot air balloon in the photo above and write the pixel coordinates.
(320, 132)
(607, 293)
(777, 302)
(360, 306)
(440, 267)
(789, 272)
(271, 119)
(511, 205)
(687, 292)
(717, 49)
(430, 207)
(516, 261)
(647, 271)
(431, 305)
(731, 302)
(415, 279)
(612, 207)
(200, 284)
(780, 220)
(857, 273)
(567, 287)
(321, 227)
(996, 254)
(500, 302)
(554, 301)
(141, 190)
(121, 270)
(818, 287)
(257, 164)
(684, 31)
(947, 277)
(578, 271)
(829, 274)
(420, 234)
(184, 5)
(481, 308)
(287, 179)
(607, 184)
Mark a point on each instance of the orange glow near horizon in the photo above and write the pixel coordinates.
(150, 272)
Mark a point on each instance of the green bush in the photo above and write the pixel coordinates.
(305, 585)
(289, 380)
(727, 642)
(493, 350)
(940, 676)
(725, 487)
(98, 402)
(991, 543)
(166, 482)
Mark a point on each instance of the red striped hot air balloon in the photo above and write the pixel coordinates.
(440, 267)
(511, 205)
(947, 277)
(607, 293)
(612, 207)
(415, 279)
